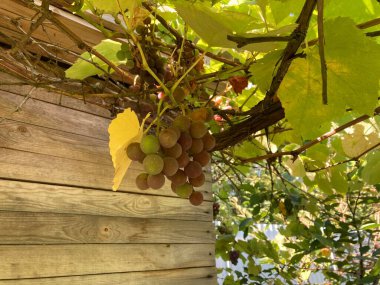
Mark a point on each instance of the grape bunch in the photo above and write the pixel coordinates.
(178, 153)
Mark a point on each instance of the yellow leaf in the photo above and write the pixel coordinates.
(123, 130)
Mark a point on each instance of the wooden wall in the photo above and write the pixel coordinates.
(60, 223)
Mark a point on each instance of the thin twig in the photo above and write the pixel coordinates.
(301, 149)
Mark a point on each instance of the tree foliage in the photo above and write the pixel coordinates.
(294, 89)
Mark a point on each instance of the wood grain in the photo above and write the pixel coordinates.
(52, 116)
(190, 276)
(33, 261)
(34, 197)
(50, 228)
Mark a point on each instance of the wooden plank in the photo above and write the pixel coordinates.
(35, 139)
(27, 166)
(190, 276)
(33, 197)
(52, 116)
(49, 228)
(33, 261)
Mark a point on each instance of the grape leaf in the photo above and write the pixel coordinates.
(263, 70)
(285, 10)
(349, 57)
(371, 170)
(123, 130)
(362, 138)
(91, 65)
(112, 6)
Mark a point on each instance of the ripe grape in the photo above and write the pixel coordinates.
(196, 198)
(156, 181)
(153, 164)
(183, 160)
(198, 181)
(196, 146)
(203, 158)
(179, 178)
(208, 141)
(174, 151)
(185, 140)
(184, 190)
(150, 144)
(182, 122)
(199, 115)
(198, 130)
(168, 138)
(170, 166)
(193, 169)
(234, 256)
(134, 152)
(176, 130)
(141, 181)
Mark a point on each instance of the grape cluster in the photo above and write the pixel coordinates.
(179, 153)
(234, 256)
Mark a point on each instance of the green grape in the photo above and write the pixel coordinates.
(150, 144)
(179, 94)
(193, 169)
(141, 181)
(185, 140)
(184, 190)
(202, 157)
(182, 122)
(174, 151)
(156, 181)
(153, 164)
(208, 142)
(198, 181)
(196, 198)
(134, 152)
(170, 166)
(196, 146)
(198, 130)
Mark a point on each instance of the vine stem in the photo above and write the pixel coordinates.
(143, 58)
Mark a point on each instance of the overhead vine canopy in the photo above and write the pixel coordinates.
(293, 86)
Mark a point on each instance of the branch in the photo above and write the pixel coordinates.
(268, 111)
(321, 47)
(323, 137)
(243, 41)
(356, 158)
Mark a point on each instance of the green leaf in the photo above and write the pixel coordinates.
(264, 69)
(371, 170)
(249, 149)
(370, 226)
(362, 137)
(211, 26)
(349, 83)
(113, 51)
(285, 9)
(112, 6)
